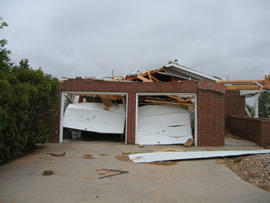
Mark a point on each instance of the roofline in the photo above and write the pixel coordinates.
(191, 71)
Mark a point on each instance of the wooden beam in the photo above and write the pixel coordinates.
(240, 81)
(149, 75)
(145, 74)
(188, 99)
(143, 79)
(167, 102)
(245, 87)
(177, 98)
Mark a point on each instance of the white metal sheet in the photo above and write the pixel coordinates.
(163, 124)
(173, 156)
(93, 117)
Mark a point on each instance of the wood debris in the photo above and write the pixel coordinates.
(189, 142)
(57, 155)
(88, 156)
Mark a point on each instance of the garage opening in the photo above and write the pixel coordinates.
(164, 119)
(93, 116)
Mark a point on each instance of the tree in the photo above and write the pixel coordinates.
(28, 104)
(264, 104)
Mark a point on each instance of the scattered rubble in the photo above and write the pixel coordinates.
(164, 163)
(47, 172)
(124, 156)
(88, 156)
(111, 172)
(57, 155)
(254, 169)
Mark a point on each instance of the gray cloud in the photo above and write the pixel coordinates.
(93, 37)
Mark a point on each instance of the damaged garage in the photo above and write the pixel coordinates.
(170, 105)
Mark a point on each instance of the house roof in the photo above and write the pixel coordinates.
(175, 69)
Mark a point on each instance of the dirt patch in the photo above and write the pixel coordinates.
(27, 159)
(47, 172)
(88, 156)
(163, 163)
(103, 154)
(254, 169)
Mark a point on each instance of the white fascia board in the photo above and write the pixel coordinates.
(191, 71)
(174, 156)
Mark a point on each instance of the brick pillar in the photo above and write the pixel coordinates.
(210, 113)
(131, 120)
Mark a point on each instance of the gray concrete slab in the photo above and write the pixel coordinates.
(76, 178)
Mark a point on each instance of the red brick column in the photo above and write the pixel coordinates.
(131, 120)
(210, 111)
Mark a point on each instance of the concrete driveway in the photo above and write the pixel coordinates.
(76, 178)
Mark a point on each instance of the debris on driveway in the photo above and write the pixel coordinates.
(47, 172)
(254, 169)
(106, 171)
(170, 156)
(57, 155)
(88, 156)
(164, 163)
(170, 150)
(189, 142)
(124, 156)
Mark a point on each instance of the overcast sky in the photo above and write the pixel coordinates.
(216, 37)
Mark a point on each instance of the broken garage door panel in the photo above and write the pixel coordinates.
(93, 117)
(163, 124)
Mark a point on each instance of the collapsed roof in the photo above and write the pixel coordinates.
(170, 72)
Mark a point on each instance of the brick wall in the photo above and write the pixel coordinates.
(234, 105)
(210, 95)
(253, 129)
(210, 118)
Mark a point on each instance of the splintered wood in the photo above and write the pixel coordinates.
(169, 99)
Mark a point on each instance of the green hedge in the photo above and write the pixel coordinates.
(28, 105)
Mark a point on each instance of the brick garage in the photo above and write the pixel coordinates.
(210, 103)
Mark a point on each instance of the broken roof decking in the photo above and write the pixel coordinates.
(173, 70)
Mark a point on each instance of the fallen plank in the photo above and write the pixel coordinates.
(189, 142)
(174, 156)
